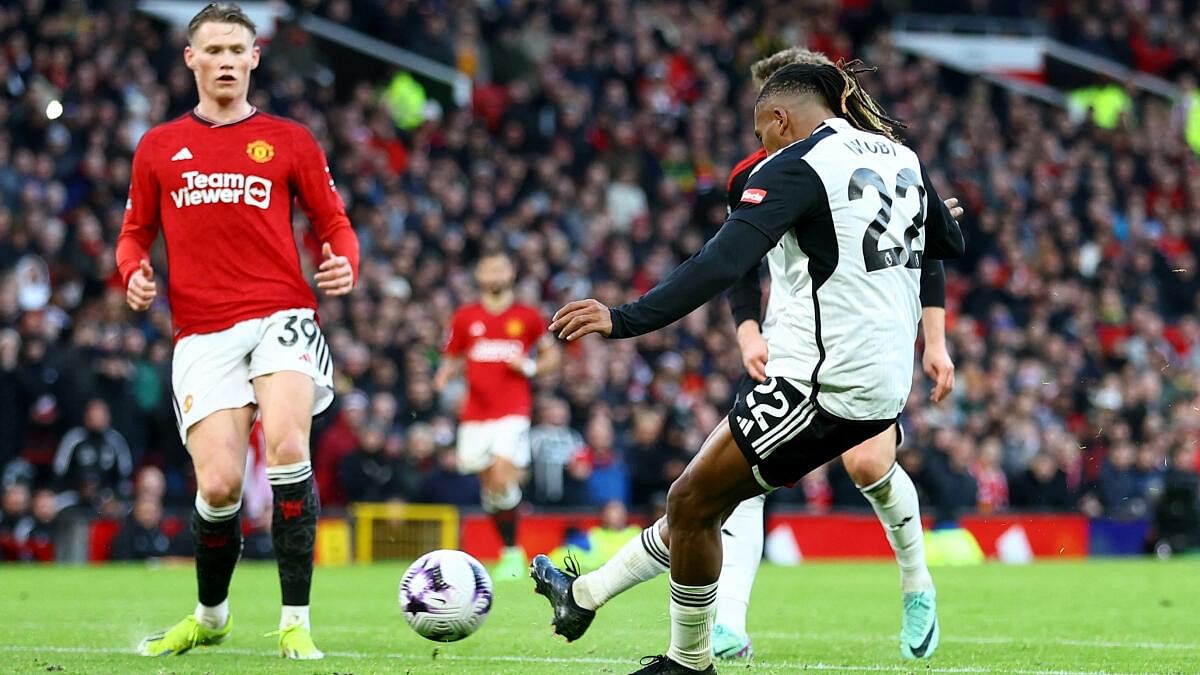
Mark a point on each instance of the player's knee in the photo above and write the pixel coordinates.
(290, 448)
(866, 465)
(687, 504)
(220, 486)
(504, 499)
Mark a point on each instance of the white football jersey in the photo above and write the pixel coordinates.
(842, 316)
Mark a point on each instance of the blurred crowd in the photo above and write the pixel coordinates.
(596, 149)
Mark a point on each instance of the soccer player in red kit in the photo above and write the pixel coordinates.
(494, 337)
(220, 182)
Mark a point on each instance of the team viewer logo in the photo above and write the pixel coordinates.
(222, 188)
(260, 151)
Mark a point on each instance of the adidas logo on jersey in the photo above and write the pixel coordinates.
(183, 154)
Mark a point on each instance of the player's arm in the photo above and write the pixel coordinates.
(943, 235)
(745, 300)
(449, 369)
(788, 192)
(313, 185)
(139, 229)
(936, 361)
(548, 358)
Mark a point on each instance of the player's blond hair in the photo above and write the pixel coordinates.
(221, 12)
(762, 69)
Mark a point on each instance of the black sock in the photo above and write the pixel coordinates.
(218, 546)
(506, 525)
(294, 532)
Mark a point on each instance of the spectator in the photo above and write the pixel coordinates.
(141, 536)
(989, 476)
(607, 478)
(93, 462)
(953, 488)
(1041, 487)
(445, 485)
(1177, 515)
(553, 443)
(1119, 485)
(377, 471)
(14, 511)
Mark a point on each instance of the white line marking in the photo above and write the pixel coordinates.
(989, 640)
(787, 665)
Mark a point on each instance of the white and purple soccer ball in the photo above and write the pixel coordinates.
(445, 595)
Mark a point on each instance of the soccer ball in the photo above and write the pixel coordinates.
(445, 595)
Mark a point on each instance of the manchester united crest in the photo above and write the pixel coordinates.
(514, 328)
(260, 151)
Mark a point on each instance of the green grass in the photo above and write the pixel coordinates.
(1067, 618)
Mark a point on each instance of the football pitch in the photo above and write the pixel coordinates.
(1087, 617)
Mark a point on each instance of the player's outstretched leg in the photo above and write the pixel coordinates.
(576, 598)
(742, 546)
(216, 532)
(893, 496)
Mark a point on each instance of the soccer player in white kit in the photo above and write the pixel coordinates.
(846, 216)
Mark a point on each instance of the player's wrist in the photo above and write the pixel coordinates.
(529, 368)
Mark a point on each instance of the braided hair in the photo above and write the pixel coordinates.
(837, 84)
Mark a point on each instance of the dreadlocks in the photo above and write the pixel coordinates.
(839, 87)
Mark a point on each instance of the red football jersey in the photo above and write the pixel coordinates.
(222, 195)
(489, 342)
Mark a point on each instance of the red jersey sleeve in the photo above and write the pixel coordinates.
(535, 327)
(313, 185)
(456, 342)
(142, 220)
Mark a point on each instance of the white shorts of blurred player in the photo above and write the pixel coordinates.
(480, 443)
(214, 371)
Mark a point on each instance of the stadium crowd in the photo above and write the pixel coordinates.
(596, 150)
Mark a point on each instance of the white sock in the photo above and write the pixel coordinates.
(742, 547)
(692, 614)
(213, 617)
(640, 559)
(294, 614)
(894, 498)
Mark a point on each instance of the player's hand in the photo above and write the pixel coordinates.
(581, 317)
(956, 211)
(142, 290)
(524, 365)
(754, 350)
(335, 276)
(940, 369)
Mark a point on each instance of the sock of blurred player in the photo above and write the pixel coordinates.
(217, 532)
(293, 533)
(640, 559)
(742, 546)
(894, 498)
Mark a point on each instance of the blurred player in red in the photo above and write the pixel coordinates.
(494, 337)
(219, 183)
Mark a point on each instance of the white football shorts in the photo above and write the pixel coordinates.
(481, 442)
(214, 371)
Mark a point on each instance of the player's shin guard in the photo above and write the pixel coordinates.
(692, 614)
(894, 498)
(294, 533)
(217, 532)
(503, 507)
(640, 559)
(742, 546)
